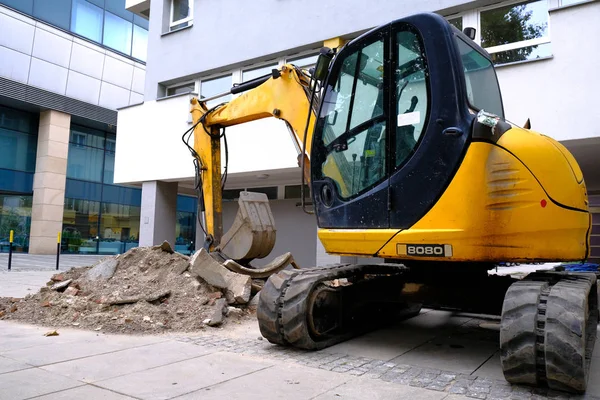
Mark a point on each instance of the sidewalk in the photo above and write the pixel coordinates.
(436, 355)
(32, 262)
(78, 365)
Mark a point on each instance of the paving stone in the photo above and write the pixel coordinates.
(476, 395)
(458, 390)
(438, 386)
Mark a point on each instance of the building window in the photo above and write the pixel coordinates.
(117, 33)
(181, 88)
(254, 73)
(295, 192)
(181, 14)
(305, 61)
(216, 86)
(56, 12)
(15, 215)
(139, 48)
(87, 20)
(516, 32)
(457, 23)
(18, 140)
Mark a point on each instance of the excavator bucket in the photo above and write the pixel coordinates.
(252, 234)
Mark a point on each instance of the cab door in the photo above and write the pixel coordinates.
(430, 119)
(350, 160)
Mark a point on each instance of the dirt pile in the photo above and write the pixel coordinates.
(147, 289)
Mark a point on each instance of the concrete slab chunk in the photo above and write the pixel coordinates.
(105, 269)
(238, 286)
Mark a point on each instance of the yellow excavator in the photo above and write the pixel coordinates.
(402, 139)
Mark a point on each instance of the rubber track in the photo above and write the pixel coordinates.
(548, 330)
(571, 321)
(283, 303)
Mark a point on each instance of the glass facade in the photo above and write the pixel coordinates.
(100, 217)
(18, 146)
(106, 22)
(15, 215)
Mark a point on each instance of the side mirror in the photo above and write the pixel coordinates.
(322, 67)
(470, 32)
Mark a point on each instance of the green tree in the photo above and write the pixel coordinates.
(509, 25)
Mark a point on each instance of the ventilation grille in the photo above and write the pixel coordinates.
(53, 101)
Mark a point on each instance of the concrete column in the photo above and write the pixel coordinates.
(49, 181)
(158, 214)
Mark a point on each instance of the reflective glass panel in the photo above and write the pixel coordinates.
(84, 136)
(109, 167)
(80, 226)
(514, 23)
(257, 72)
(117, 33)
(17, 120)
(523, 54)
(17, 150)
(457, 23)
(185, 231)
(55, 12)
(85, 163)
(304, 62)
(181, 10)
(87, 20)
(216, 86)
(180, 89)
(139, 48)
(119, 228)
(15, 215)
(25, 6)
(117, 7)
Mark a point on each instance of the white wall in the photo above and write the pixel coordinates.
(151, 133)
(296, 231)
(39, 55)
(149, 145)
(560, 95)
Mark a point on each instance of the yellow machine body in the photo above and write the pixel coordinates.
(522, 199)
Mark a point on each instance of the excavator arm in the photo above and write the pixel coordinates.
(285, 95)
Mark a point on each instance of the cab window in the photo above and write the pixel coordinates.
(354, 133)
(483, 92)
(411, 95)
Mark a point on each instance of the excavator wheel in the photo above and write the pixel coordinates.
(548, 330)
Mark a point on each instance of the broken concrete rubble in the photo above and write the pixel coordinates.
(60, 286)
(105, 269)
(238, 287)
(219, 311)
(146, 282)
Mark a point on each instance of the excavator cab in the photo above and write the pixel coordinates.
(395, 122)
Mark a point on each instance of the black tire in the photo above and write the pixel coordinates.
(570, 333)
(518, 336)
